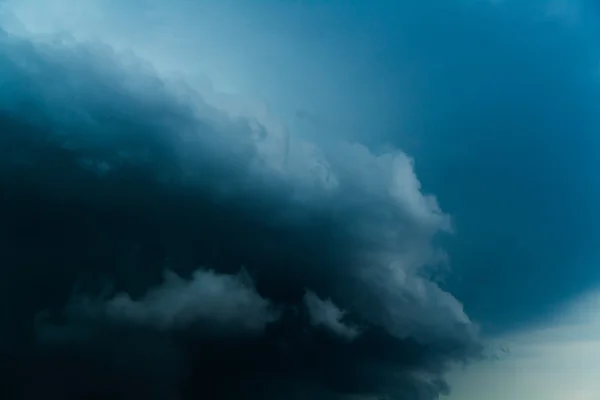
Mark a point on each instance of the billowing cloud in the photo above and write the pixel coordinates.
(496, 100)
(112, 174)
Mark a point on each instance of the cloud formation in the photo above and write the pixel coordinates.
(111, 175)
(227, 304)
(326, 314)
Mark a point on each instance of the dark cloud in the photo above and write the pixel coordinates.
(276, 251)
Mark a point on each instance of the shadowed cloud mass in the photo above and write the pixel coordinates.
(156, 244)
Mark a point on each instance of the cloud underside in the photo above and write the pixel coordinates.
(157, 245)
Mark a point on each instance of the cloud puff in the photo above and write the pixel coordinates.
(228, 304)
(110, 173)
(326, 314)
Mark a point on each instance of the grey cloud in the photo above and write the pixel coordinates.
(110, 172)
(228, 304)
(326, 314)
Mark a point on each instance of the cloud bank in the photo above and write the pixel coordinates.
(276, 249)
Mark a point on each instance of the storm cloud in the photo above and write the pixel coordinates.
(154, 244)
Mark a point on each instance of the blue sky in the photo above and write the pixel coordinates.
(497, 101)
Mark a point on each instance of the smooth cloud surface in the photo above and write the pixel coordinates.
(112, 174)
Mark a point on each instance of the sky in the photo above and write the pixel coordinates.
(411, 185)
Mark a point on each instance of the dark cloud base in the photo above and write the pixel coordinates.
(97, 201)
